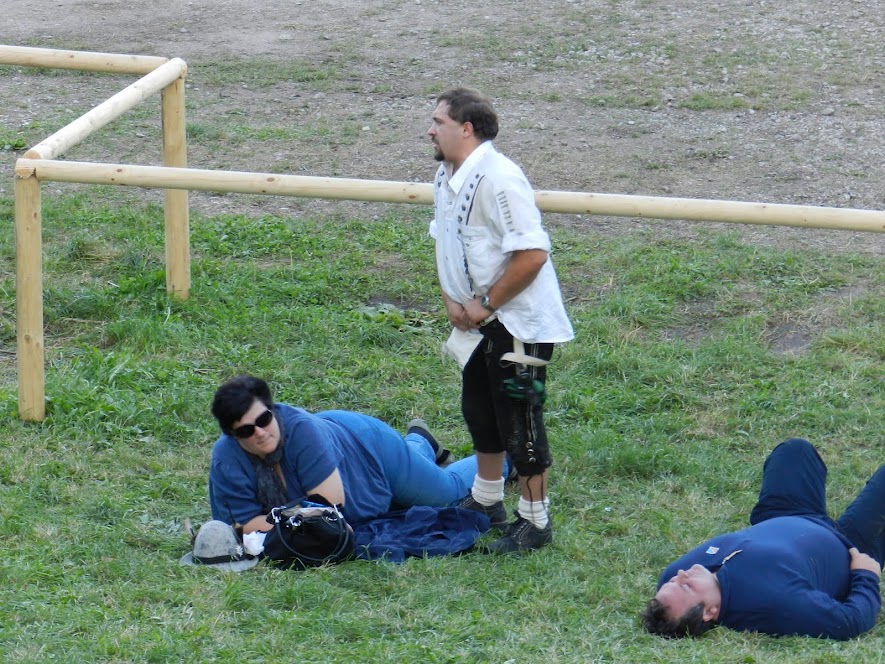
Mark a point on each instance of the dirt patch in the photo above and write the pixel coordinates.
(754, 100)
(794, 336)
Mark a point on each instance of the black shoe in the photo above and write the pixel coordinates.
(496, 512)
(444, 457)
(522, 535)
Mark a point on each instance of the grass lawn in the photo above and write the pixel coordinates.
(660, 414)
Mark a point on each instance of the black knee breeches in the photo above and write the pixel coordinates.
(503, 405)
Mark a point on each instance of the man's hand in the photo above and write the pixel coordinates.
(458, 315)
(863, 561)
(475, 312)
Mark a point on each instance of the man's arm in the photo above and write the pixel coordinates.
(784, 603)
(522, 269)
(817, 614)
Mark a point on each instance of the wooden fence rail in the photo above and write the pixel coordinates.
(166, 76)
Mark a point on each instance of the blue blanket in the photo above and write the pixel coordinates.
(419, 532)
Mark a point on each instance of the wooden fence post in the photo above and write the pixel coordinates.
(178, 252)
(29, 297)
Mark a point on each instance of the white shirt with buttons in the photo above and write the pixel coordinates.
(482, 213)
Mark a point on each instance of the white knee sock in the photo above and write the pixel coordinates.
(487, 492)
(534, 512)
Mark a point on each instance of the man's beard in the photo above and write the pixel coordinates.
(437, 153)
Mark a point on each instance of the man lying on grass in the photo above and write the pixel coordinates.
(794, 571)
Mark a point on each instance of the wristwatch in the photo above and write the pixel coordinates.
(484, 301)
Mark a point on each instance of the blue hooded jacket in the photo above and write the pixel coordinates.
(787, 576)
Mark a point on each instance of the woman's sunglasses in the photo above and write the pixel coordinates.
(246, 430)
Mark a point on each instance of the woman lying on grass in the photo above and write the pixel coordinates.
(270, 454)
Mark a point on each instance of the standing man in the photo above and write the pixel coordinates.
(794, 571)
(502, 297)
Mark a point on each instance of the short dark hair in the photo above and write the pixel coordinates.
(656, 621)
(235, 397)
(469, 105)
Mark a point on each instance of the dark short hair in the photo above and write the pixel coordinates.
(656, 621)
(235, 397)
(469, 105)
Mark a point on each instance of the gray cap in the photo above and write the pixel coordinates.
(216, 545)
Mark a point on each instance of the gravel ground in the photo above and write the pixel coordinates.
(750, 100)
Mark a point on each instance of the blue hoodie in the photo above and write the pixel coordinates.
(787, 576)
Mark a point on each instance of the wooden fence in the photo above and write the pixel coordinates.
(166, 76)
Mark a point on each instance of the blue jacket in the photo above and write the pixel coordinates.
(787, 576)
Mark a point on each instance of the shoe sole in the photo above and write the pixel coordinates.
(501, 551)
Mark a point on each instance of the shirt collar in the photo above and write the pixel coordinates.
(457, 180)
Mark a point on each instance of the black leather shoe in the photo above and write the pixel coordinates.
(496, 512)
(522, 535)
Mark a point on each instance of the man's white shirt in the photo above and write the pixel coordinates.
(482, 213)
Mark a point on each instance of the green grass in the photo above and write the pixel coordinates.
(262, 73)
(660, 414)
(230, 133)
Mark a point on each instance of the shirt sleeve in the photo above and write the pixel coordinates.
(514, 214)
(311, 453)
(817, 614)
(232, 487)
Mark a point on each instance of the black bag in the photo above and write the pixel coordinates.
(307, 536)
